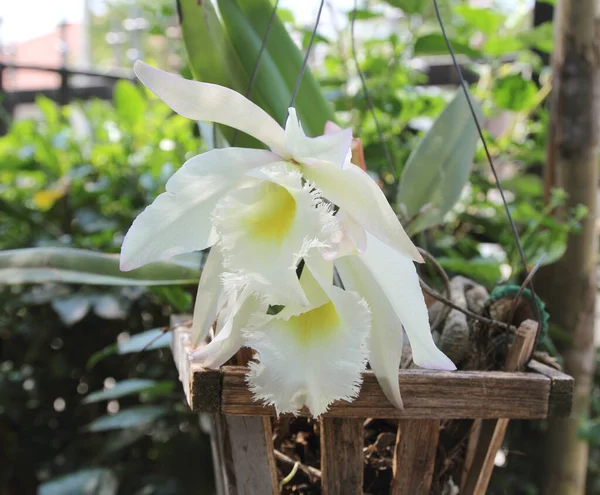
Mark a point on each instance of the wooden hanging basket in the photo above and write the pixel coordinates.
(242, 428)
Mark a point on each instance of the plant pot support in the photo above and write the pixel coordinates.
(242, 433)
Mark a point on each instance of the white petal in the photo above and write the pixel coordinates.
(212, 103)
(353, 190)
(397, 276)
(178, 221)
(332, 147)
(210, 292)
(385, 340)
(267, 228)
(310, 356)
(353, 237)
(230, 339)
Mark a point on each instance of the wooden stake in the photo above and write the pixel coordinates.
(414, 456)
(342, 461)
(491, 432)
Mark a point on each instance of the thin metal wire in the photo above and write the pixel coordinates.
(308, 50)
(388, 156)
(257, 63)
(489, 158)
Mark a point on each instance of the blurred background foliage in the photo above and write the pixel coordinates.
(86, 406)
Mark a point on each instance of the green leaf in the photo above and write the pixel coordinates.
(100, 355)
(93, 481)
(484, 270)
(120, 389)
(487, 21)
(129, 102)
(79, 266)
(176, 297)
(202, 28)
(148, 340)
(439, 167)
(269, 82)
(501, 45)
(313, 109)
(409, 6)
(363, 14)
(515, 93)
(50, 111)
(128, 418)
(435, 44)
(540, 37)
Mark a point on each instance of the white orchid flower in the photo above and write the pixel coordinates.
(262, 212)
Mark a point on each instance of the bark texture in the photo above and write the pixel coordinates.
(569, 286)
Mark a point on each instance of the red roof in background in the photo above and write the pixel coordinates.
(44, 51)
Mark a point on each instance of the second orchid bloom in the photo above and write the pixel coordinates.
(262, 213)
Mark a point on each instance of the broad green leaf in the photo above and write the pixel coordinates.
(484, 270)
(129, 102)
(201, 28)
(212, 56)
(128, 418)
(120, 389)
(501, 45)
(540, 37)
(50, 111)
(269, 82)
(439, 167)
(486, 21)
(409, 6)
(363, 14)
(515, 93)
(148, 340)
(435, 44)
(79, 266)
(93, 481)
(313, 109)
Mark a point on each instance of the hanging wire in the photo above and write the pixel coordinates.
(492, 167)
(308, 50)
(257, 63)
(388, 156)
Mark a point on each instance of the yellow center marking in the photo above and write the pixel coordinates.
(271, 218)
(316, 323)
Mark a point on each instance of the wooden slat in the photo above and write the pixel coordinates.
(491, 431)
(561, 390)
(414, 456)
(253, 463)
(342, 463)
(427, 394)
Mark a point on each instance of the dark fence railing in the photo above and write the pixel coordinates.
(66, 92)
(439, 73)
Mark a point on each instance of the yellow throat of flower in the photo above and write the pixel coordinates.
(315, 324)
(271, 218)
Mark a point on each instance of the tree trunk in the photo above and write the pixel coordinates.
(569, 286)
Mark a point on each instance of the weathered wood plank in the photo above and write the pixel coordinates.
(427, 394)
(491, 431)
(561, 390)
(342, 463)
(250, 443)
(414, 456)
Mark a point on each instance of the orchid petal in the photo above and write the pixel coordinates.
(385, 340)
(310, 356)
(397, 277)
(210, 293)
(229, 339)
(332, 147)
(212, 103)
(353, 238)
(354, 191)
(266, 229)
(178, 221)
